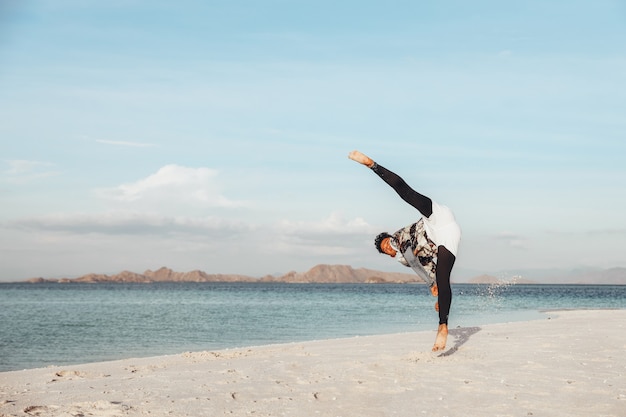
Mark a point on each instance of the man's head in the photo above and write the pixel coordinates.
(383, 244)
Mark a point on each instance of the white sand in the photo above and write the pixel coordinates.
(571, 363)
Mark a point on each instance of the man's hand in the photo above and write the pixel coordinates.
(434, 290)
(361, 158)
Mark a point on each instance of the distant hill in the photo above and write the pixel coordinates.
(614, 276)
(344, 274)
(160, 275)
(318, 274)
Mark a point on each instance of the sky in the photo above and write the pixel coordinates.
(213, 135)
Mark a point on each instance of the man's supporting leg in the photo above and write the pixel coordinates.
(445, 262)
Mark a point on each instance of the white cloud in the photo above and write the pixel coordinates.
(579, 235)
(512, 240)
(332, 226)
(21, 170)
(132, 223)
(173, 183)
(172, 204)
(331, 236)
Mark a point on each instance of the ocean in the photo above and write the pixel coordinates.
(62, 324)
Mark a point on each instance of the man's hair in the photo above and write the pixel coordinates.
(379, 239)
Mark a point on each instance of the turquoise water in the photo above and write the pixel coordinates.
(60, 324)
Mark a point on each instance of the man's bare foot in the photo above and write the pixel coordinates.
(434, 290)
(442, 338)
(361, 158)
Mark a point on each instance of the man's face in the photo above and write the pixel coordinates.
(385, 245)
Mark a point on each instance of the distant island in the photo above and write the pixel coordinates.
(327, 274)
(332, 274)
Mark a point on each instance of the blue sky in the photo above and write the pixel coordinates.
(214, 135)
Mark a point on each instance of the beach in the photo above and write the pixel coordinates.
(567, 363)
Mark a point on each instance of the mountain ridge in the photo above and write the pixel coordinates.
(321, 273)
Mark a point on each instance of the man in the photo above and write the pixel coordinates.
(428, 246)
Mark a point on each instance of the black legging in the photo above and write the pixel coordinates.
(445, 258)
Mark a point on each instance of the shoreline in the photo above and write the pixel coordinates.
(522, 316)
(569, 363)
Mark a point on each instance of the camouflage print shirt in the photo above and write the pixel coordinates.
(417, 251)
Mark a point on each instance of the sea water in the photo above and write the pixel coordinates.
(60, 324)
